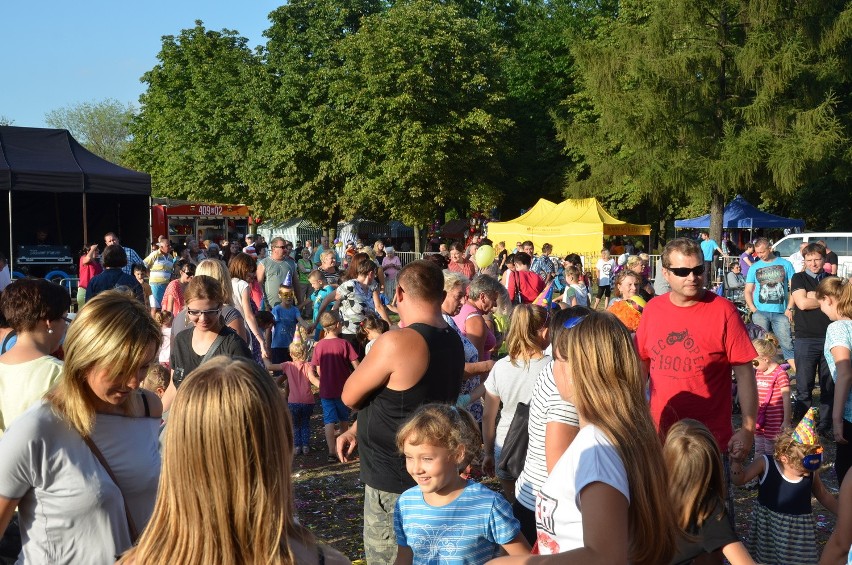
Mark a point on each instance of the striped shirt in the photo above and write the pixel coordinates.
(546, 406)
(467, 531)
(160, 266)
(775, 405)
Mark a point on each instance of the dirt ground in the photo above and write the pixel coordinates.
(330, 497)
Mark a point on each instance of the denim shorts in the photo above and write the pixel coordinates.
(334, 411)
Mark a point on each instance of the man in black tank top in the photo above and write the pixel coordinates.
(419, 364)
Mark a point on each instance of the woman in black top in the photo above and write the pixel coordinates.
(207, 338)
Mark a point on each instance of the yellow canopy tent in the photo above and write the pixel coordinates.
(572, 226)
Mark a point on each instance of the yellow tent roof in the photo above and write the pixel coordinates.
(575, 225)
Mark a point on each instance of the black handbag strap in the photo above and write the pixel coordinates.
(131, 525)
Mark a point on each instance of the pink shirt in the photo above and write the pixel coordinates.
(775, 409)
(297, 377)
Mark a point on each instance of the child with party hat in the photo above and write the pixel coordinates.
(782, 525)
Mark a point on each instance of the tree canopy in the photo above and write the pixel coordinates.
(102, 126)
(660, 108)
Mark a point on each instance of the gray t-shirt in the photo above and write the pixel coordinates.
(71, 512)
(513, 383)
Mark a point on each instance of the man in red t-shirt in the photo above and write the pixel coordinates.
(691, 339)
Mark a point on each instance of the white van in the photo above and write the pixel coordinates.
(839, 242)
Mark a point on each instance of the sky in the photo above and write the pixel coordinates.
(61, 53)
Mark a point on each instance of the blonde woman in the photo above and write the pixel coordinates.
(72, 507)
(613, 469)
(225, 493)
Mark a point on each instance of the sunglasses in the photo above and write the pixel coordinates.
(199, 313)
(684, 272)
(755, 362)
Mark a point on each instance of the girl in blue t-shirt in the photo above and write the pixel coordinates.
(445, 518)
(835, 301)
(286, 317)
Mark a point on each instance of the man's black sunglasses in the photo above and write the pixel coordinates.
(684, 271)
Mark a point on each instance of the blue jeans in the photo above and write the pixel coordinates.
(301, 414)
(779, 325)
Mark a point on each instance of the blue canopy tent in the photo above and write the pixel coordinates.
(739, 214)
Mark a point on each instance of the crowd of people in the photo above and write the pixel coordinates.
(177, 396)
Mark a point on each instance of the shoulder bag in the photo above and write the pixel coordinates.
(514, 452)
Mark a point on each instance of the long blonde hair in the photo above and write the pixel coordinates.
(219, 271)
(696, 477)
(114, 332)
(609, 392)
(524, 340)
(225, 493)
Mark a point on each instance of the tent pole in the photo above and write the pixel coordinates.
(11, 243)
(85, 224)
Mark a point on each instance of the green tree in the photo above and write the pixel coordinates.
(102, 127)
(694, 101)
(416, 114)
(294, 171)
(195, 128)
(6, 121)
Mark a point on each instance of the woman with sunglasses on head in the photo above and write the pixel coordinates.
(207, 338)
(82, 466)
(613, 470)
(173, 300)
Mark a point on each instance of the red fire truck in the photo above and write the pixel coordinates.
(178, 219)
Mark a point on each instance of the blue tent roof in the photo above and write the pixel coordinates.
(740, 214)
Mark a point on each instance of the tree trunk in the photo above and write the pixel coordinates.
(717, 211)
(417, 248)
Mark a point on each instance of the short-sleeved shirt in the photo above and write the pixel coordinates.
(690, 352)
(839, 334)
(333, 357)
(809, 323)
(184, 359)
(591, 458)
(543, 266)
(160, 267)
(546, 406)
(71, 511)
(23, 384)
(467, 531)
(318, 296)
(830, 259)
(88, 271)
(715, 533)
(299, 384)
(356, 301)
(285, 325)
(604, 269)
(512, 382)
(708, 246)
(466, 267)
(775, 404)
(771, 281)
